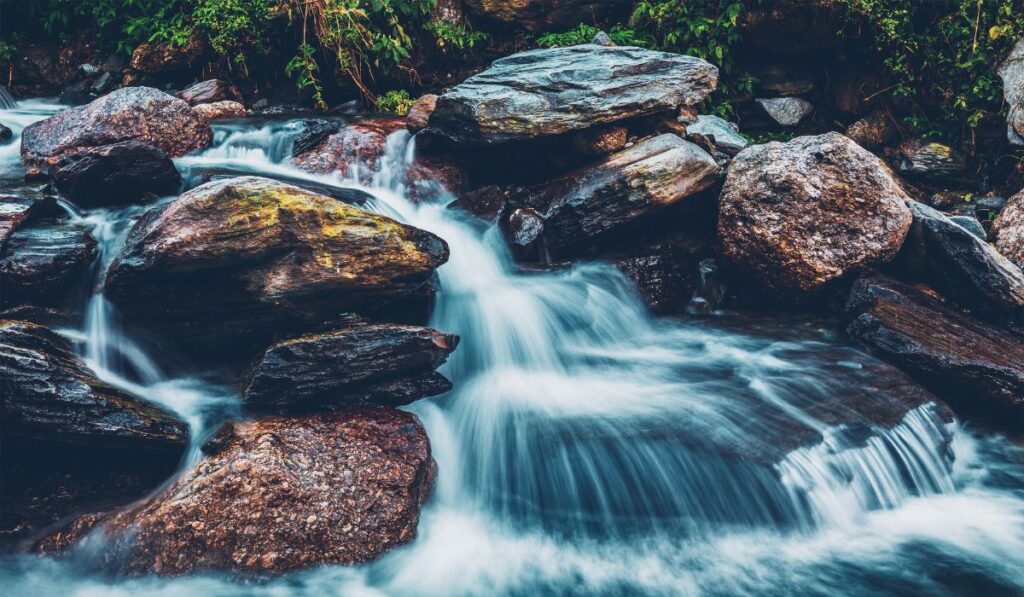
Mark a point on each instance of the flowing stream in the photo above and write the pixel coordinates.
(588, 447)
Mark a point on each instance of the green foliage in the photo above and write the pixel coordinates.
(456, 36)
(394, 102)
(234, 28)
(303, 68)
(583, 33)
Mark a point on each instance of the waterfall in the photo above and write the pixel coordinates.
(7, 101)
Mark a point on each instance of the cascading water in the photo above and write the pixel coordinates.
(7, 101)
(588, 447)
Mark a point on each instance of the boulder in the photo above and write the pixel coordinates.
(357, 366)
(523, 230)
(43, 262)
(957, 263)
(115, 174)
(930, 160)
(552, 91)
(874, 131)
(236, 261)
(546, 15)
(721, 134)
(419, 113)
(209, 92)
(224, 109)
(588, 203)
(786, 111)
(600, 141)
(1012, 73)
(803, 213)
(133, 113)
(277, 495)
(976, 367)
(1008, 230)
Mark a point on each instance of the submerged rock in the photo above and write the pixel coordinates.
(41, 263)
(545, 15)
(133, 113)
(115, 174)
(278, 495)
(963, 267)
(6, 134)
(1008, 230)
(803, 213)
(637, 182)
(558, 90)
(358, 366)
(977, 368)
(238, 260)
(1012, 73)
(786, 111)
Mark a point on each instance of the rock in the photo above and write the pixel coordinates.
(359, 144)
(358, 366)
(803, 213)
(557, 90)
(485, 203)
(977, 368)
(963, 267)
(14, 210)
(419, 113)
(102, 84)
(209, 92)
(1007, 230)
(135, 113)
(970, 224)
(786, 111)
(313, 132)
(1012, 73)
(602, 39)
(721, 134)
(523, 230)
(6, 134)
(948, 200)
(546, 15)
(926, 159)
(41, 264)
(666, 272)
(588, 203)
(599, 141)
(279, 494)
(164, 60)
(784, 80)
(224, 109)
(233, 262)
(874, 131)
(115, 174)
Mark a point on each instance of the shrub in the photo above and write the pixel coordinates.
(394, 102)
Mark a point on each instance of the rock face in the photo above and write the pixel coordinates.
(241, 259)
(954, 261)
(277, 495)
(1008, 230)
(41, 264)
(133, 113)
(583, 205)
(977, 368)
(806, 212)
(545, 15)
(552, 91)
(924, 159)
(1012, 73)
(362, 365)
(208, 92)
(786, 111)
(115, 174)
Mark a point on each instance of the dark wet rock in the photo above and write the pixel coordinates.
(786, 111)
(6, 134)
(216, 110)
(485, 203)
(236, 261)
(803, 213)
(581, 206)
(1012, 73)
(856, 93)
(14, 210)
(313, 132)
(280, 494)
(208, 92)
(874, 131)
(1008, 230)
(357, 366)
(948, 200)
(42, 263)
(970, 224)
(546, 15)
(784, 79)
(976, 367)
(599, 141)
(166, 61)
(666, 272)
(419, 113)
(523, 230)
(963, 267)
(103, 84)
(115, 174)
(133, 113)
(558, 90)
(930, 160)
(721, 134)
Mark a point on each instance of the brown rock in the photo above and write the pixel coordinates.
(281, 494)
(224, 109)
(163, 59)
(358, 144)
(209, 92)
(1008, 230)
(599, 141)
(419, 113)
(806, 212)
(133, 113)
(874, 131)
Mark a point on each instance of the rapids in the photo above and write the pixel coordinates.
(588, 447)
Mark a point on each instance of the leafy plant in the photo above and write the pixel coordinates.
(235, 28)
(394, 102)
(303, 68)
(456, 36)
(583, 33)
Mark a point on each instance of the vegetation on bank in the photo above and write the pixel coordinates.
(937, 57)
